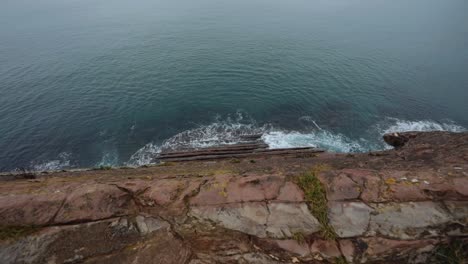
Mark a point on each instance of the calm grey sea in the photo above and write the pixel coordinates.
(86, 83)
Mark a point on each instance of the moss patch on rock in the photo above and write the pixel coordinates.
(15, 232)
(316, 196)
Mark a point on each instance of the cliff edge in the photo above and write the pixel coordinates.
(406, 204)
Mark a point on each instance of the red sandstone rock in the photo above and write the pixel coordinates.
(29, 209)
(290, 192)
(293, 246)
(327, 249)
(93, 202)
(415, 197)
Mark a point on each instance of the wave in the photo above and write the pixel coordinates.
(398, 125)
(222, 131)
(230, 130)
(321, 139)
(62, 162)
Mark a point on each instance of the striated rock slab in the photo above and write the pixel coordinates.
(391, 206)
(349, 219)
(286, 219)
(276, 220)
(409, 220)
(78, 243)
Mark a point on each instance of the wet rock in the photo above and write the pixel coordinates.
(349, 219)
(398, 139)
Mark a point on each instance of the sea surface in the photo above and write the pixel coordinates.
(85, 83)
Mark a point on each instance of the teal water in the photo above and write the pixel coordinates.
(88, 83)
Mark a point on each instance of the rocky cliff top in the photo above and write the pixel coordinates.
(409, 203)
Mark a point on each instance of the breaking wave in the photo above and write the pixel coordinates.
(62, 162)
(230, 130)
(398, 125)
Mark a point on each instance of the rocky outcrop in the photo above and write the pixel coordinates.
(396, 205)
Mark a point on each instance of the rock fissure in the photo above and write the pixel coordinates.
(380, 209)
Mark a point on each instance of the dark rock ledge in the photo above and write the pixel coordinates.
(408, 204)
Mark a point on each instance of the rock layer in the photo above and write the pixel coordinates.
(400, 204)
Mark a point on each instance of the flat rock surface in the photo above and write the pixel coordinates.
(397, 205)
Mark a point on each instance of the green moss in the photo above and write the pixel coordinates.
(299, 237)
(316, 196)
(235, 161)
(167, 164)
(340, 260)
(14, 232)
(453, 253)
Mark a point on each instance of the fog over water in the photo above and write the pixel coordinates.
(85, 83)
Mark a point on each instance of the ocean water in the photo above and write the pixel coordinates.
(85, 83)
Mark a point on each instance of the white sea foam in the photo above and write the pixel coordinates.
(322, 139)
(222, 131)
(230, 130)
(62, 162)
(398, 125)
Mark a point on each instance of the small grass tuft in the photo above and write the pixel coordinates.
(340, 260)
(167, 164)
(102, 167)
(14, 232)
(453, 253)
(299, 237)
(235, 161)
(315, 195)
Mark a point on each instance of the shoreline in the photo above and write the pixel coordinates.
(300, 208)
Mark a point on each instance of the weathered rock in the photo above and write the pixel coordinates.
(293, 246)
(398, 139)
(408, 220)
(250, 218)
(286, 219)
(347, 249)
(94, 202)
(29, 209)
(381, 248)
(340, 187)
(326, 249)
(349, 219)
(76, 243)
(369, 183)
(290, 192)
(386, 207)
